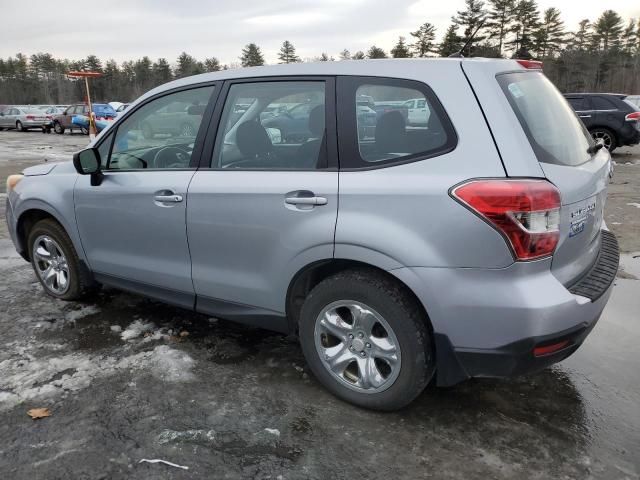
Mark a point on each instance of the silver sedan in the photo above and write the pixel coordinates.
(22, 118)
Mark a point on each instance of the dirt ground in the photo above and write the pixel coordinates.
(127, 379)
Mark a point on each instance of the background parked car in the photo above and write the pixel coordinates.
(120, 110)
(22, 118)
(62, 121)
(608, 117)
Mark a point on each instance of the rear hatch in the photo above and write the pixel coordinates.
(566, 156)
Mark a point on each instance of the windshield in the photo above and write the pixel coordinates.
(555, 132)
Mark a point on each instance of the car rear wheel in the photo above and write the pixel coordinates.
(58, 128)
(56, 262)
(84, 131)
(366, 340)
(607, 136)
(19, 126)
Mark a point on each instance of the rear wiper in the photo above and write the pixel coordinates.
(595, 148)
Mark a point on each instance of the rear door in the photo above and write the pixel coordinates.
(564, 150)
(263, 204)
(606, 113)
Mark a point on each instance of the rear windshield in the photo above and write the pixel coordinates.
(555, 132)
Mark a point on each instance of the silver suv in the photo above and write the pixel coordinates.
(468, 245)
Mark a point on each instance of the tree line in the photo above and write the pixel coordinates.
(598, 55)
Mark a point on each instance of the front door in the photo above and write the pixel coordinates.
(132, 225)
(266, 203)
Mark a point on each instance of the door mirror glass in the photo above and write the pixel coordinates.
(87, 162)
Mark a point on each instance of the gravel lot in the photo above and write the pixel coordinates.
(126, 378)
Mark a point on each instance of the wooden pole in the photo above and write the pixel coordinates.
(92, 125)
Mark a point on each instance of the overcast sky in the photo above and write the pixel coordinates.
(129, 29)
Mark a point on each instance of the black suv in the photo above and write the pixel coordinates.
(609, 117)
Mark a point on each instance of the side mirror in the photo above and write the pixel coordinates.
(87, 162)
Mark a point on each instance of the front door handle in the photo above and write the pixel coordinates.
(585, 116)
(173, 198)
(305, 200)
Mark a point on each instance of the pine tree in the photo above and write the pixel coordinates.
(582, 37)
(527, 20)
(629, 37)
(359, 55)
(187, 66)
(451, 43)
(376, 52)
(470, 19)
(345, 55)
(212, 64)
(400, 50)
(500, 20)
(161, 71)
(288, 53)
(424, 40)
(251, 56)
(608, 31)
(550, 36)
(324, 58)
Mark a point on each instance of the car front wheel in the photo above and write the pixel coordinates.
(58, 128)
(56, 263)
(366, 340)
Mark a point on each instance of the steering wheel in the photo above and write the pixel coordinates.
(171, 157)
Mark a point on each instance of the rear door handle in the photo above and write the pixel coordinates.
(305, 200)
(585, 116)
(174, 198)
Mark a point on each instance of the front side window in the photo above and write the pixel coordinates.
(272, 125)
(398, 123)
(160, 134)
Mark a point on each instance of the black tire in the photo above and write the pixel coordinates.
(58, 128)
(81, 284)
(19, 126)
(609, 138)
(399, 309)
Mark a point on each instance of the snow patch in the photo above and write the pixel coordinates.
(273, 431)
(196, 436)
(637, 205)
(74, 315)
(24, 377)
(136, 329)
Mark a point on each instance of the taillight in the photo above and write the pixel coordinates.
(525, 212)
(531, 64)
(30, 117)
(633, 117)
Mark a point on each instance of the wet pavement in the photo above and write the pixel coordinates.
(127, 378)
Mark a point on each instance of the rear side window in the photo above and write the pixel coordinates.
(555, 132)
(601, 103)
(387, 121)
(579, 104)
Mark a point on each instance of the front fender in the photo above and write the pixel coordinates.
(52, 194)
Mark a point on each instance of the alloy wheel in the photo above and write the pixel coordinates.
(604, 136)
(51, 264)
(357, 346)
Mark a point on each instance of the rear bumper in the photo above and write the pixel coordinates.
(487, 322)
(629, 134)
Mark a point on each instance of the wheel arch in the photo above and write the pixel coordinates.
(25, 223)
(312, 274)
(608, 129)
